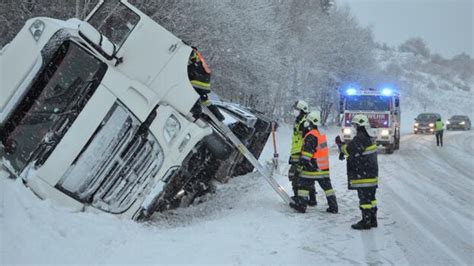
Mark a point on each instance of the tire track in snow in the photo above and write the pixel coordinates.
(421, 222)
(444, 230)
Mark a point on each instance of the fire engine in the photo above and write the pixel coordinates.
(381, 106)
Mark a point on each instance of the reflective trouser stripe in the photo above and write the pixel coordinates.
(367, 182)
(303, 192)
(374, 203)
(294, 158)
(315, 175)
(329, 192)
(364, 181)
(201, 85)
(366, 206)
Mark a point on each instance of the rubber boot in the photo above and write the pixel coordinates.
(363, 224)
(312, 198)
(299, 204)
(332, 202)
(373, 217)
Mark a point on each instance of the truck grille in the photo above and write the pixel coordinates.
(116, 166)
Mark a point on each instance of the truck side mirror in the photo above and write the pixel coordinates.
(99, 41)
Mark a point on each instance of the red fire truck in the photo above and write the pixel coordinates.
(382, 107)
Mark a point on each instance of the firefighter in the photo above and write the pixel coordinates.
(199, 74)
(300, 111)
(313, 165)
(362, 170)
(439, 125)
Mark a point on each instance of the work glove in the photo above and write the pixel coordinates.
(338, 141)
(341, 156)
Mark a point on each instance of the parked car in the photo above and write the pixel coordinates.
(425, 123)
(458, 122)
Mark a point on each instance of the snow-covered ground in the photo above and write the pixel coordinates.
(426, 217)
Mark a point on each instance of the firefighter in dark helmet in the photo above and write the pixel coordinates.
(362, 170)
(199, 74)
(313, 165)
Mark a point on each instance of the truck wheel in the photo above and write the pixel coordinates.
(397, 143)
(389, 148)
(218, 146)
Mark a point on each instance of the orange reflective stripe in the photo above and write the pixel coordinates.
(204, 64)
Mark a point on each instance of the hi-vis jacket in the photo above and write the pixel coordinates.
(315, 156)
(362, 166)
(297, 139)
(439, 126)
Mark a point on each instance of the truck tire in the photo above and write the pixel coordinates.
(389, 148)
(218, 146)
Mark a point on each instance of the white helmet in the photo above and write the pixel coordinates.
(361, 120)
(301, 105)
(314, 117)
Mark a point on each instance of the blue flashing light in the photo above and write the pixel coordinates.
(387, 91)
(351, 91)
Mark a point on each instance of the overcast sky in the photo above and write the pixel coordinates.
(446, 25)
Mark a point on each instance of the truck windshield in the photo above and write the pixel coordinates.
(368, 103)
(53, 102)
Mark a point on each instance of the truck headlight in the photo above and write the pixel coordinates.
(347, 131)
(431, 125)
(447, 122)
(384, 132)
(417, 124)
(172, 127)
(462, 123)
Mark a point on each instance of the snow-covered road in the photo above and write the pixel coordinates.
(430, 192)
(426, 217)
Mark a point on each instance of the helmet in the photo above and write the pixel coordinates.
(301, 105)
(360, 120)
(314, 117)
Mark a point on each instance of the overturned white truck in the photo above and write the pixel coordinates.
(97, 114)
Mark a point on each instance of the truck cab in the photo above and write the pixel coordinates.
(97, 114)
(381, 106)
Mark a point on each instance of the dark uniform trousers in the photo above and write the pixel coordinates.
(367, 197)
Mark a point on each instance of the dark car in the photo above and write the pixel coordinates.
(458, 122)
(425, 123)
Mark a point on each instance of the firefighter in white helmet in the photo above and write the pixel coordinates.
(313, 165)
(362, 170)
(300, 111)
